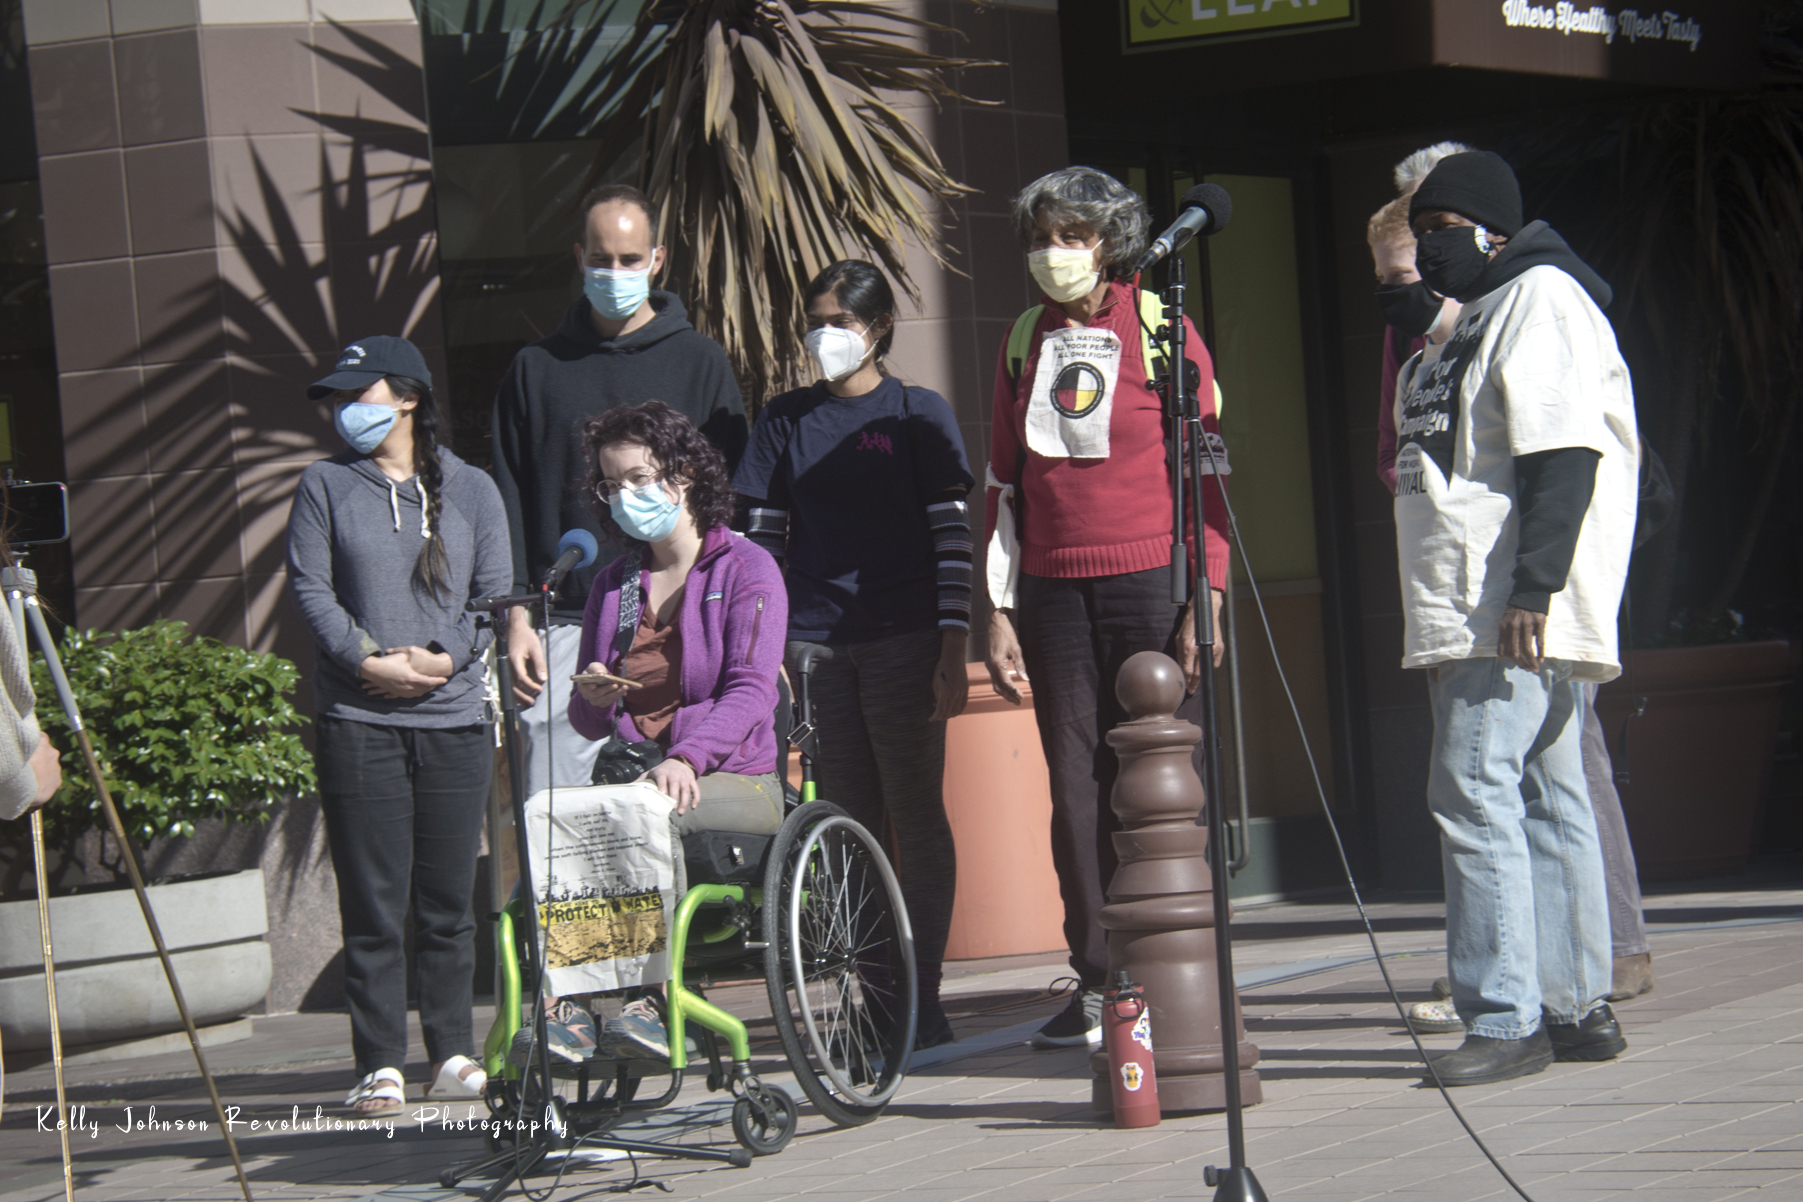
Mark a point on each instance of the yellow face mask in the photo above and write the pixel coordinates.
(1063, 272)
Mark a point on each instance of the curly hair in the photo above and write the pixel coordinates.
(1100, 201)
(681, 452)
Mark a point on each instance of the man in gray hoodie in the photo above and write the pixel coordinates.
(620, 343)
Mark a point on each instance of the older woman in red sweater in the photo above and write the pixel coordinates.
(1077, 469)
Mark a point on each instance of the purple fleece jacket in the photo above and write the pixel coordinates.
(734, 619)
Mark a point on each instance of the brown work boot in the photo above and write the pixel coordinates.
(1632, 976)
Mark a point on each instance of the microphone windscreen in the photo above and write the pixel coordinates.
(1214, 198)
(583, 541)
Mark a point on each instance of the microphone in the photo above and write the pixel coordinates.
(575, 550)
(1204, 209)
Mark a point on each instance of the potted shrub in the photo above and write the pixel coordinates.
(186, 730)
(1699, 755)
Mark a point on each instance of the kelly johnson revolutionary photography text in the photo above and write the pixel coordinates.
(131, 1120)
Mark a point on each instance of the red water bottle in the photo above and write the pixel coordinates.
(1127, 1035)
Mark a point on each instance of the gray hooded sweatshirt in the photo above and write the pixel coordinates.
(354, 536)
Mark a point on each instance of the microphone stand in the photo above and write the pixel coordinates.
(1185, 443)
(551, 1137)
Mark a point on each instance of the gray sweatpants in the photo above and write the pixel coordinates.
(1627, 928)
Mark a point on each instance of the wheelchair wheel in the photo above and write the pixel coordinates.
(839, 963)
(765, 1124)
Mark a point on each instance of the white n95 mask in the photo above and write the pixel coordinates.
(839, 352)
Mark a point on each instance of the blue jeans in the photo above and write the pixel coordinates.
(1527, 910)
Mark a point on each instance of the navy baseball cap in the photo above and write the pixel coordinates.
(367, 360)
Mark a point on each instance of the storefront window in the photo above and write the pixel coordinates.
(513, 118)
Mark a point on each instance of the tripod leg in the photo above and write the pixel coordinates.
(56, 1030)
(67, 696)
(514, 1164)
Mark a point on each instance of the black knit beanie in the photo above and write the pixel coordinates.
(1476, 184)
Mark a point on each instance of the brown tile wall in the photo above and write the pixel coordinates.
(950, 341)
(225, 207)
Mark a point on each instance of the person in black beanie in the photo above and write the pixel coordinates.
(1516, 485)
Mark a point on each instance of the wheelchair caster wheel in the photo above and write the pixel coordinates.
(766, 1123)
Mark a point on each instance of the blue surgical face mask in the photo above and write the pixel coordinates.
(364, 425)
(647, 513)
(616, 295)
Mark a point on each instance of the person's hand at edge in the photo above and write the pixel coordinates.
(393, 677)
(599, 693)
(1189, 652)
(951, 683)
(675, 779)
(1522, 637)
(47, 765)
(1004, 660)
(526, 655)
(426, 663)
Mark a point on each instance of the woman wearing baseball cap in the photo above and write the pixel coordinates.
(387, 541)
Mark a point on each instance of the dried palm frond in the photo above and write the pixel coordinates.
(774, 143)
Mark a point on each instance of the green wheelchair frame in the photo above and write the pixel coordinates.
(835, 899)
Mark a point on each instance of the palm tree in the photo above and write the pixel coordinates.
(770, 135)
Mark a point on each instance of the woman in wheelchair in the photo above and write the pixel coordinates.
(693, 616)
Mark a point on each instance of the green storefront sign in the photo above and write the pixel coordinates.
(1152, 24)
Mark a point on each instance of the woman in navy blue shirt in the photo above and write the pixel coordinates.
(857, 485)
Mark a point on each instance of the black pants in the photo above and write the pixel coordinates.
(882, 759)
(403, 810)
(1074, 636)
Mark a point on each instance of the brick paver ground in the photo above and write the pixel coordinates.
(1707, 1103)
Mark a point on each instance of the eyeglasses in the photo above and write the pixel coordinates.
(607, 490)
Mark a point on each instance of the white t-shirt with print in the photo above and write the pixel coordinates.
(1532, 366)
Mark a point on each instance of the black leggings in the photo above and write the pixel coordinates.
(882, 760)
(1074, 636)
(403, 810)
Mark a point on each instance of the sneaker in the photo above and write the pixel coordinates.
(638, 1033)
(932, 1028)
(570, 1031)
(1077, 1025)
(569, 1035)
(1435, 1018)
(1632, 976)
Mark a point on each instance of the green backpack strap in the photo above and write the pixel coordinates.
(1020, 339)
(1151, 310)
(1151, 313)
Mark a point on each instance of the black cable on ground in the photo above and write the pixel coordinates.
(1334, 828)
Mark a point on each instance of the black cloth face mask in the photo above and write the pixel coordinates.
(1410, 309)
(1451, 260)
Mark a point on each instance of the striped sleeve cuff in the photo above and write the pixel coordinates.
(950, 523)
(770, 530)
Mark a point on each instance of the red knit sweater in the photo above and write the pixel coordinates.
(1101, 517)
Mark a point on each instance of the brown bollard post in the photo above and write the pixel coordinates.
(1161, 914)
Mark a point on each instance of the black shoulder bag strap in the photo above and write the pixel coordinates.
(629, 605)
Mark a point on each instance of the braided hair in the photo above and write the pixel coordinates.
(432, 571)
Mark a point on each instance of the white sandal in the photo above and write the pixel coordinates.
(454, 1085)
(385, 1085)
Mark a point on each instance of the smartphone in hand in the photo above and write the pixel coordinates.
(604, 678)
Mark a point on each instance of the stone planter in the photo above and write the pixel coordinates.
(1700, 757)
(110, 986)
(998, 798)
